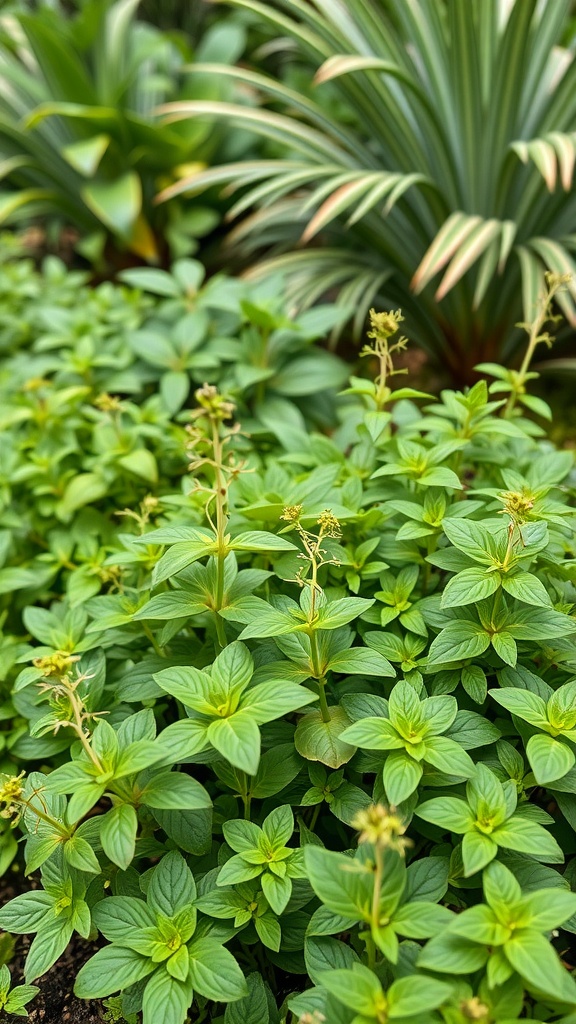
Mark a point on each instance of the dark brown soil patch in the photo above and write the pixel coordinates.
(55, 1002)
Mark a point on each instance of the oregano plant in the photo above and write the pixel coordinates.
(288, 724)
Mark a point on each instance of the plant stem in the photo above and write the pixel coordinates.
(315, 816)
(370, 951)
(221, 496)
(378, 873)
(247, 800)
(320, 677)
(158, 650)
(47, 819)
(220, 632)
(78, 726)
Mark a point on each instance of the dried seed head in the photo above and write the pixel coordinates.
(329, 524)
(292, 513)
(381, 826)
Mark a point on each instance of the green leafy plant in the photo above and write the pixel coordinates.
(433, 158)
(13, 1000)
(80, 142)
(275, 714)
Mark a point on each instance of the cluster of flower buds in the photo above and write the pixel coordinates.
(382, 827)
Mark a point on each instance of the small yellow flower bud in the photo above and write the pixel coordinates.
(384, 325)
(381, 826)
(517, 505)
(211, 401)
(108, 403)
(292, 513)
(56, 664)
(473, 1009)
(329, 524)
(11, 790)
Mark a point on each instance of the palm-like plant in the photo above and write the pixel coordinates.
(447, 185)
(79, 136)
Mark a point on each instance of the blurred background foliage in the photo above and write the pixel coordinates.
(381, 153)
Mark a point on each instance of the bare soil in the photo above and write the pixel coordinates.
(55, 1002)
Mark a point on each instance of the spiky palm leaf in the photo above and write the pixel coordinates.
(447, 187)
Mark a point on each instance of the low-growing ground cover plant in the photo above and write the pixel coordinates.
(299, 747)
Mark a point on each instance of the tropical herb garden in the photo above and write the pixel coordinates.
(288, 638)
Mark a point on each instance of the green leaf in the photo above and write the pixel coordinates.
(51, 940)
(338, 613)
(179, 557)
(481, 924)
(238, 740)
(448, 756)
(344, 891)
(459, 640)
(83, 489)
(166, 998)
(85, 156)
(118, 829)
(420, 920)
(470, 586)
(470, 537)
(80, 855)
(176, 791)
(142, 463)
(505, 646)
(277, 891)
(275, 699)
(549, 758)
(233, 667)
(109, 970)
(528, 837)
(448, 812)
(533, 957)
(452, 954)
(401, 776)
(278, 826)
(172, 885)
(251, 1008)
(373, 734)
(26, 912)
(259, 540)
(323, 953)
(121, 918)
(477, 851)
(214, 972)
(159, 282)
(524, 586)
(358, 988)
(317, 740)
(524, 703)
(360, 661)
(410, 996)
(117, 203)
(474, 682)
